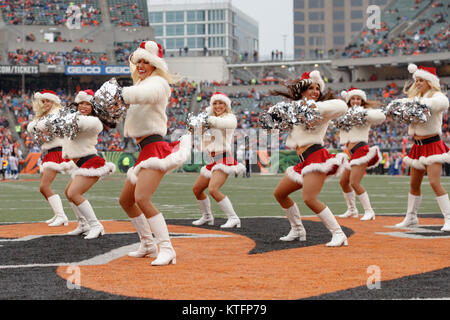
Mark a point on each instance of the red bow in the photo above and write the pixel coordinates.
(89, 92)
(305, 76)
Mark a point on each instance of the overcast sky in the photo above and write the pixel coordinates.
(274, 18)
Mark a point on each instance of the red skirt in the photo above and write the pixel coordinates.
(53, 160)
(372, 156)
(95, 167)
(318, 161)
(161, 155)
(423, 155)
(228, 164)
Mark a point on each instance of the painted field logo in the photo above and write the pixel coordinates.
(213, 264)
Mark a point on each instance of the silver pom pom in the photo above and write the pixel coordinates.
(408, 111)
(63, 124)
(196, 121)
(284, 115)
(355, 116)
(108, 103)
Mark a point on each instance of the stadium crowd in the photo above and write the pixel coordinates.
(429, 36)
(77, 56)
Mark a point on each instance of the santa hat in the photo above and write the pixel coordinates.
(47, 94)
(314, 77)
(424, 73)
(152, 52)
(85, 96)
(219, 96)
(347, 95)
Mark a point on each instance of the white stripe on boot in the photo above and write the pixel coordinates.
(338, 236)
(295, 220)
(207, 217)
(147, 246)
(166, 253)
(96, 227)
(411, 219)
(227, 208)
(83, 225)
(352, 211)
(60, 217)
(369, 214)
(444, 205)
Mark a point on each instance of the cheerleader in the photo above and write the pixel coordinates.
(46, 103)
(146, 121)
(90, 167)
(362, 156)
(315, 165)
(217, 142)
(429, 152)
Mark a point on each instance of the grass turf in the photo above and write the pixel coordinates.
(21, 201)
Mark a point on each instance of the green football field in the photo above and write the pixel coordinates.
(21, 201)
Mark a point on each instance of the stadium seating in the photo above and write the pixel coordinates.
(50, 12)
(422, 28)
(128, 13)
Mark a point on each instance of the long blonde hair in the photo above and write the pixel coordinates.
(39, 110)
(413, 92)
(170, 78)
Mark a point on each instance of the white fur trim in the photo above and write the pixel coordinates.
(62, 167)
(356, 92)
(427, 76)
(151, 57)
(82, 96)
(107, 169)
(220, 97)
(344, 95)
(426, 161)
(236, 169)
(169, 163)
(317, 78)
(340, 160)
(47, 95)
(372, 152)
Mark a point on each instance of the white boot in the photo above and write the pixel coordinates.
(328, 219)
(207, 217)
(352, 211)
(147, 246)
(297, 230)
(369, 214)
(97, 229)
(83, 226)
(60, 217)
(411, 215)
(166, 253)
(444, 205)
(227, 208)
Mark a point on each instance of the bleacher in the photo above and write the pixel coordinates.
(128, 13)
(398, 34)
(54, 11)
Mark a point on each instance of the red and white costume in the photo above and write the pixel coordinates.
(146, 116)
(218, 139)
(428, 151)
(315, 159)
(362, 153)
(320, 159)
(53, 149)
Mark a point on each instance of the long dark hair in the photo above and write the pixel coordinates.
(296, 88)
